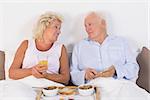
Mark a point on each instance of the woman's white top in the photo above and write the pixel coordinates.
(33, 56)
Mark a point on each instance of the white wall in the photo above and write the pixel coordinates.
(128, 19)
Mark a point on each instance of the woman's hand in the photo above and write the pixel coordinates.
(90, 73)
(36, 72)
(41, 68)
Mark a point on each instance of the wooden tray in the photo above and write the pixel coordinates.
(96, 94)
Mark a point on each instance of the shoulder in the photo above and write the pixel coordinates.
(63, 49)
(24, 44)
(81, 43)
(77, 47)
(58, 44)
(118, 39)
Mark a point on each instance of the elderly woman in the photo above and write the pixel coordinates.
(43, 46)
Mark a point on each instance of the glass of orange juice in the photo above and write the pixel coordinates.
(43, 62)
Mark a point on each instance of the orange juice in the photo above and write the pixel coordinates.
(43, 64)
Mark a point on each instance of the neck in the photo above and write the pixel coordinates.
(102, 37)
(42, 45)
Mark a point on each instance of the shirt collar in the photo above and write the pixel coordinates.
(107, 39)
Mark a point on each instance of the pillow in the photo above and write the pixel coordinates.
(143, 61)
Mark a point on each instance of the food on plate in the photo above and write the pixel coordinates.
(50, 88)
(84, 87)
(50, 91)
(86, 90)
(60, 87)
(67, 91)
(72, 87)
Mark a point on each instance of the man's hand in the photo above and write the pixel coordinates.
(107, 73)
(90, 73)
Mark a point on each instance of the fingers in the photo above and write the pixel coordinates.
(112, 68)
(41, 68)
(99, 74)
(109, 72)
(36, 73)
(90, 74)
(94, 71)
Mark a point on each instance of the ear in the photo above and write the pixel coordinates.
(103, 22)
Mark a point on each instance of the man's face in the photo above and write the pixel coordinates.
(93, 26)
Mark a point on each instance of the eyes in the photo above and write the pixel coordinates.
(57, 27)
(89, 24)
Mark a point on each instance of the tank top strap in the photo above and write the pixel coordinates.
(57, 47)
(31, 43)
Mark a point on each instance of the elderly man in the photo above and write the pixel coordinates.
(101, 54)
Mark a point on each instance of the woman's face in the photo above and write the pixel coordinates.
(52, 31)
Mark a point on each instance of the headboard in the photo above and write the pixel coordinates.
(2, 64)
(143, 61)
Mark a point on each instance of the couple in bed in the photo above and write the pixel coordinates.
(100, 55)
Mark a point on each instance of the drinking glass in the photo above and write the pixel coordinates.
(43, 62)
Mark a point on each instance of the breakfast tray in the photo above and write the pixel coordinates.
(76, 95)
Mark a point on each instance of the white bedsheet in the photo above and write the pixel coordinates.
(114, 89)
(38, 82)
(22, 89)
(111, 89)
(14, 90)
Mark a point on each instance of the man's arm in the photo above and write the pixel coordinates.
(109, 72)
(130, 68)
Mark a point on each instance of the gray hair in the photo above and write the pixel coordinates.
(99, 14)
(45, 20)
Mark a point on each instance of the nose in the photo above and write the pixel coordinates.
(88, 28)
(58, 32)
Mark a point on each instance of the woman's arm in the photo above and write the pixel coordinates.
(16, 71)
(64, 75)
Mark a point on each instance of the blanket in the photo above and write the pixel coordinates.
(14, 90)
(38, 82)
(115, 89)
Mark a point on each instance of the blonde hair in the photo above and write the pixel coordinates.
(45, 20)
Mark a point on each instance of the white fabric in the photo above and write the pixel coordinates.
(114, 89)
(33, 55)
(22, 89)
(14, 90)
(38, 82)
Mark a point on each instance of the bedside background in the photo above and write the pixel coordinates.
(124, 18)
